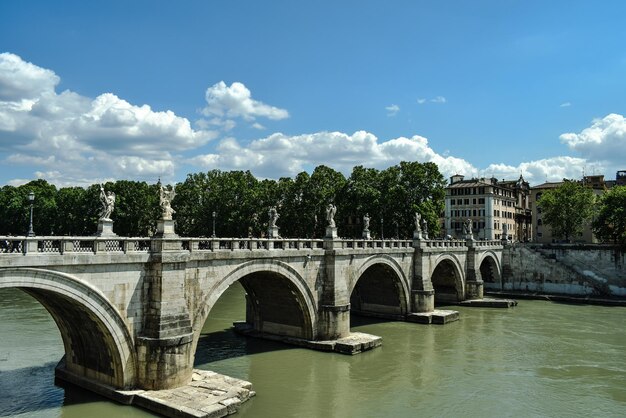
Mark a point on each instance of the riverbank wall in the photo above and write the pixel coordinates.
(597, 271)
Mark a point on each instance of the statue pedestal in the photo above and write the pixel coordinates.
(165, 229)
(105, 228)
(417, 235)
(272, 232)
(331, 232)
(366, 234)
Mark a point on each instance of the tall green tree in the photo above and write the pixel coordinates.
(362, 195)
(567, 209)
(136, 207)
(73, 212)
(407, 188)
(15, 208)
(610, 221)
(323, 188)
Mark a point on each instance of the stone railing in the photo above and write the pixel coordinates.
(488, 243)
(239, 244)
(62, 245)
(441, 243)
(93, 245)
(360, 244)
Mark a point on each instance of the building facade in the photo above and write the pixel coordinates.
(492, 207)
(543, 233)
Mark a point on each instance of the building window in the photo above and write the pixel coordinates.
(481, 201)
(466, 201)
(474, 201)
(539, 222)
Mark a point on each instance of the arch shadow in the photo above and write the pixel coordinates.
(490, 270)
(380, 289)
(278, 300)
(448, 280)
(98, 345)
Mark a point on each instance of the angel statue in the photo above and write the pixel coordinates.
(366, 222)
(467, 227)
(166, 196)
(418, 219)
(330, 214)
(108, 203)
(273, 214)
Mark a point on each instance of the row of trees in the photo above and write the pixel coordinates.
(571, 206)
(241, 202)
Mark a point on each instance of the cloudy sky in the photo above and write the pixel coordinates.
(93, 91)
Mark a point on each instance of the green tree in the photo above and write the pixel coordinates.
(407, 188)
(610, 222)
(136, 207)
(323, 188)
(72, 215)
(15, 208)
(362, 195)
(567, 208)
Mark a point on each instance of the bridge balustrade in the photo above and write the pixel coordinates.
(62, 245)
(356, 244)
(444, 243)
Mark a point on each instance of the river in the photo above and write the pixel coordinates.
(537, 359)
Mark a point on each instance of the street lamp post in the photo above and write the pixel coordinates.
(382, 231)
(31, 199)
(213, 224)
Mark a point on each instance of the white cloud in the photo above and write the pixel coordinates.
(566, 104)
(72, 134)
(604, 140)
(236, 101)
(392, 110)
(547, 169)
(23, 80)
(436, 99)
(282, 155)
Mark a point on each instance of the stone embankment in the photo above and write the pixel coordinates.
(577, 271)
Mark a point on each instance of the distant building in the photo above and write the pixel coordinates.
(542, 232)
(620, 178)
(489, 204)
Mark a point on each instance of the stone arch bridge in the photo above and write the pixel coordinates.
(130, 310)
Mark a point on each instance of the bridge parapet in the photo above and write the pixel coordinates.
(439, 243)
(62, 245)
(494, 243)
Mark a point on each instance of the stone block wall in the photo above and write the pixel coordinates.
(576, 270)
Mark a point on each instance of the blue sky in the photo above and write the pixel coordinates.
(91, 91)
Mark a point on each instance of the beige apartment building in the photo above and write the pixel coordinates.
(491, 205)
(543, 233)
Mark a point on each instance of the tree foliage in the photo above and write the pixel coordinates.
(240, 203)
(567, 208)
(610, 221)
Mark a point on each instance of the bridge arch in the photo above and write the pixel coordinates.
(275, 290)
(490, 267)
(98, 345)
(448, 279)
(380, 288)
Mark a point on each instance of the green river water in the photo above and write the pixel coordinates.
(537, 359)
